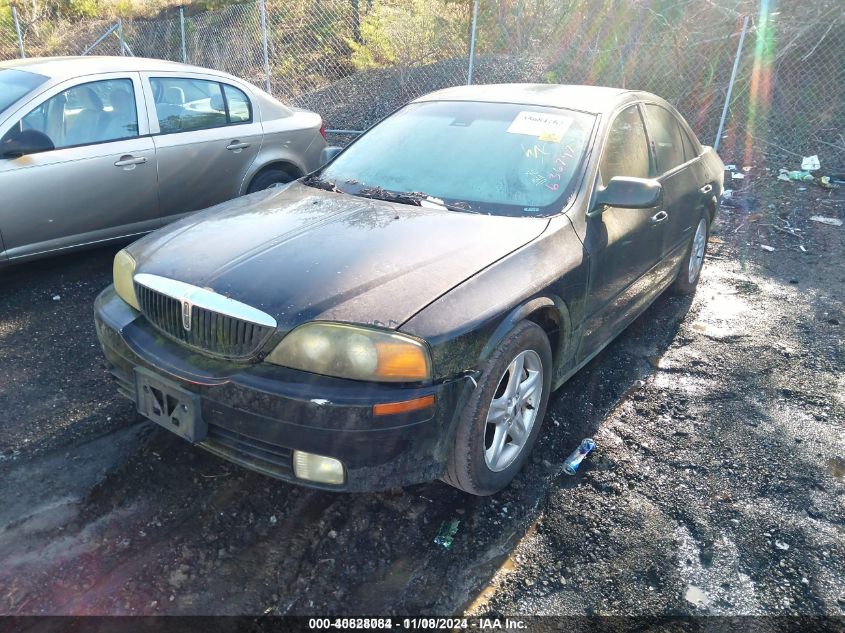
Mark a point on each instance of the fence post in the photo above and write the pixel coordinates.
(182, 29)
(262, 9)
(472, 42)
(731, 84)
(18, 29)
(120, 36)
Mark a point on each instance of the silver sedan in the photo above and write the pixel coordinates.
(98, 149)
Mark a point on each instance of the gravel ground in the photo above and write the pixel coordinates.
(716, 487)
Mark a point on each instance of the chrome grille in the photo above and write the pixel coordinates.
(211, 332)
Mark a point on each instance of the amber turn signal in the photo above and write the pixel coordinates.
(392, 408)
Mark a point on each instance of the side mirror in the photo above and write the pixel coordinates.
(26, 142)
(329, 153)
(629, 193)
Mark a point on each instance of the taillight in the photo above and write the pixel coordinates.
(323, 129)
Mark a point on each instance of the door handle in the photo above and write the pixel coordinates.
(706, 188)
(658, 217)
(130, 161)
(237, 146)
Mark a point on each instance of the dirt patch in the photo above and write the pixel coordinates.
(716, 486)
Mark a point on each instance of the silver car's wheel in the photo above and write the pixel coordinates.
(513, 410)
(699, 244)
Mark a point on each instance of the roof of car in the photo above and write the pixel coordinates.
(597, 99)
(69, 67)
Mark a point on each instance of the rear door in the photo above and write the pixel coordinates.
(624, 245)
(207, 132)
(99, 181)
(681, 173)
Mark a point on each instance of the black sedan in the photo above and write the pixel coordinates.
(403, 313)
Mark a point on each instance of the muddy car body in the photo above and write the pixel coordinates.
(348, 335)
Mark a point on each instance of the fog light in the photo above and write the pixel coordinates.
(324, 470)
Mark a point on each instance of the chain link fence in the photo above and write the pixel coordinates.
(355, 61)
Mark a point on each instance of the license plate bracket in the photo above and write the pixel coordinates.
(169, 405)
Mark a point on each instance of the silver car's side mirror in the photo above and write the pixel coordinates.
(26, 142)
(328, 154)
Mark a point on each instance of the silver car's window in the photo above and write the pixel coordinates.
(14, 84)
(626, 148)
(94, 112)
(666, 136)
(240, 109)
(185, 104)
(499, 158)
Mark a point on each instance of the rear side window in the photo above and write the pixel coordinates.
(690, 146)
(94, 112)
(183, 105)
(626, 149)
(240, 109)
(666, 137)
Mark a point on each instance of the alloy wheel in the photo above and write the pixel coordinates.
(696, 257)
(513, 410)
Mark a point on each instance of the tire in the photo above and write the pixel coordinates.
(689, 274)
(269, 178)
(472, 466)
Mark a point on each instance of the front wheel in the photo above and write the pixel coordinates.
(502, 419)
(690, 271)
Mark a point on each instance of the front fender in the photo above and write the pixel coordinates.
(463, 326)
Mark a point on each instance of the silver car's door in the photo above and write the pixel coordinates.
(98, 183)
(207, 133)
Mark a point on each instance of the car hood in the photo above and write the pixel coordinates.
(300, 253)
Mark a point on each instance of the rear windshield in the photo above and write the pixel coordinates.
(14, 84)
(496, 158)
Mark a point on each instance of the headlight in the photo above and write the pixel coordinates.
(349, 351)
(124, 270)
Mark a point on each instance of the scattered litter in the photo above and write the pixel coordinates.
(824, 220)
(800, 176)
(273, 520)
(57, 298)
(767, 248)
(803, 250)
(737, 176)
(446, 533)
(781, 545)
(727, 194)
(696, 596)
(746, 168)
(810, 163)
(730, 167)
(571, 463)
(802, 188)
(824, 182)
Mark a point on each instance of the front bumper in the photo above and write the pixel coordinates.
(258, 414)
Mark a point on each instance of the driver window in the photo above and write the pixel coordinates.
(95, 112)
(626, 147)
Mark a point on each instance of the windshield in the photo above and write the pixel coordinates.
(16, 83)
(497, 158)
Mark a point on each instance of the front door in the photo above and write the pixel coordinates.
(623, 245)
(208, 136)
(99, 182)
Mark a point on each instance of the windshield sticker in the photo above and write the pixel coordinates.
(540, 124)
